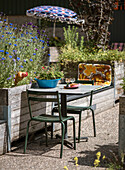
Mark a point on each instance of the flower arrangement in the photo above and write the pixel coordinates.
(50, 72)
(22, 49)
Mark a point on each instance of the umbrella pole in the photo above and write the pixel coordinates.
(39, 22)
(54, 26)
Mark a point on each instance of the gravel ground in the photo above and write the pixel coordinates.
(40, 157)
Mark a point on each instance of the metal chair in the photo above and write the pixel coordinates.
(79, 109)
(48, 97)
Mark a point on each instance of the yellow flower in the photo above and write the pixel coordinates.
(96, 162)
(65, 167)
(76, 160)
(98, 155)
(56, 38)
(103, 157)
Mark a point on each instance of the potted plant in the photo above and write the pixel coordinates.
(49, 76)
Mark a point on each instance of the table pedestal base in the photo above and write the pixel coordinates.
(84, 138)
(66, 142)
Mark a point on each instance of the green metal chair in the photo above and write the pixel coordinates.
(48, 97)
(79, 109)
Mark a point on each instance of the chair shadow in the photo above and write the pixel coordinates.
(37, 147)
(90, 156)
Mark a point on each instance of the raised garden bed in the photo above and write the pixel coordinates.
(18, 113)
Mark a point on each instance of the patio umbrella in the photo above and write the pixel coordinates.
(55, 14)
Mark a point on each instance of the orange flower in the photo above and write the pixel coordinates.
(108, 76)
(80, 76)
(89, 69)
(81, 66)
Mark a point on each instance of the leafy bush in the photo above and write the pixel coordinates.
(21, 49)
(77, 50)
(71, 37)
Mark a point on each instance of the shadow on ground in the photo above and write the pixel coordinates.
(37, 146)
(87, 157)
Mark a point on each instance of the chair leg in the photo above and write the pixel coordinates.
(46, 133)
(93, 116)
(74, 133)
(52, 127)
(79, 130)
(51, 130)
(63, 130)
(26, 138)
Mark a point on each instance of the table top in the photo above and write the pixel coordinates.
(82, 89)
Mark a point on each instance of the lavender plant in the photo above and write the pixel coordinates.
(21, 49)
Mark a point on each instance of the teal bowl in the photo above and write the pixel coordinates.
(47, 83)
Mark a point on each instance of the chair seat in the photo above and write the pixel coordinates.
(78, 108)
(74, 109)
(50, 118)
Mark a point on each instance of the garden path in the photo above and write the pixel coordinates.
(40, 157)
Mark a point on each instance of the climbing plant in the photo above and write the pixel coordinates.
(98, 15)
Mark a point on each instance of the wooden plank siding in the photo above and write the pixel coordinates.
(19, 7)
(117, 28)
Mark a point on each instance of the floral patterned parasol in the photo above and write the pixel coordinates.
(54, 13)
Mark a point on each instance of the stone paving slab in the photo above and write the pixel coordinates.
(40, 157)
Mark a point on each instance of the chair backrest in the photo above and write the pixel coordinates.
(91, 82)
(99, 73)
(43, 97)
(85, 81)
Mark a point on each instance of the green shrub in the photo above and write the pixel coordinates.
(76, 50)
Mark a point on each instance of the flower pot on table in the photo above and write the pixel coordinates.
(47, 83)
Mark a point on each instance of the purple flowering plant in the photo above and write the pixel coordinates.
(21, 49)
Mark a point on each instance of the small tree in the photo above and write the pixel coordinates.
(98, 15)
